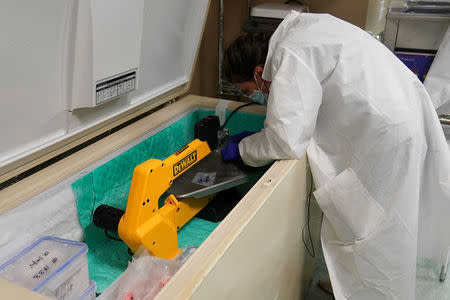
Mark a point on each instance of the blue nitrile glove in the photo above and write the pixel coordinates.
(231, 150)
(240, 136)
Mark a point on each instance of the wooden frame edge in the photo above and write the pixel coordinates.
(196, 269)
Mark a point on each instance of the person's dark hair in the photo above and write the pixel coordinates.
(244, 54)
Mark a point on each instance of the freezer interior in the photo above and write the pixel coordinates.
(66, 209)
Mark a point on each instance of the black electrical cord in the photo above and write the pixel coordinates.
(311, 251)
(111, 237)
(235, 110)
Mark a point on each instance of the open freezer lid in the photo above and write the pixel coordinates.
(73, 69)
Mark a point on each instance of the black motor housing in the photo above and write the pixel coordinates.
(107, 217)
(206, 130)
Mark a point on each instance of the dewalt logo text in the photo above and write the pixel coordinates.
(184, 163)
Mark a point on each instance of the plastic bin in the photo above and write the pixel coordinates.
(51, 266)
(90, 292)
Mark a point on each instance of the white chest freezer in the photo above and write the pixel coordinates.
(85, 79)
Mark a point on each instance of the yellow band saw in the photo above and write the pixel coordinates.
(191, 176)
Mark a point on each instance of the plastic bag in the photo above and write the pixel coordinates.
(145, 276)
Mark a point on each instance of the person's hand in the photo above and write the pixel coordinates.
(231, 150)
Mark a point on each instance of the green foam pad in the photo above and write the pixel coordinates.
(110, 183)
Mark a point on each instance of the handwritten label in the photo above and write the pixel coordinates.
(205, 179)
(42, 263)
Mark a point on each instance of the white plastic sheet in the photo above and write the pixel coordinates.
(437, 81)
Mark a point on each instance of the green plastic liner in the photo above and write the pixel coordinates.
(109, 184)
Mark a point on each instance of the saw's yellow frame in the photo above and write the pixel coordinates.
(156, 228)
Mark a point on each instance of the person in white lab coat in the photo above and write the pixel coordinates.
(377, 153)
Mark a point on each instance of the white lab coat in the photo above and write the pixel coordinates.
(377, 152)
(437, 81)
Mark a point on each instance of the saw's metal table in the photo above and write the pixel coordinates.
(211, 175)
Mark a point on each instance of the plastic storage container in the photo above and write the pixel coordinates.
(51, 266)
(90, 292)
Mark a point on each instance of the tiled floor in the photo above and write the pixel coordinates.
(428, 286)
